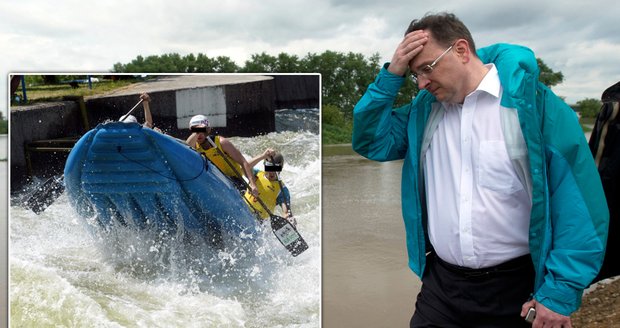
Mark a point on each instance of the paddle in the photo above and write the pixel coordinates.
(45, 194)
(53, 187)
(281, 227)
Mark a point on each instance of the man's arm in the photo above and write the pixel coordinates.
(148, 118)
(577, 208)
(191, 140)
(267, 153)
(571, 195)
(284, 199)
(236, 155)
(380, 132)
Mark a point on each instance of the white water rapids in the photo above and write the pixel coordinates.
(63, 276)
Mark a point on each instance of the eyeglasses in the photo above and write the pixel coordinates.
(198, 129)
(272, 167)
(426, 70)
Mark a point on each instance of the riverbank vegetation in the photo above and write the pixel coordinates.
(40, 88)
(344, 78)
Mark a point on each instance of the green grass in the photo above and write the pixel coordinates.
(587, 120)
(587, 123)
(51, 92)
(332, 134)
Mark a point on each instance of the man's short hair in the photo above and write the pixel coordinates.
(446, 28)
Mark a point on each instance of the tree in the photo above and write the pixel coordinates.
(174, 63)
(189, 62)
(288, 63)
(204, 64)
(547, 76)
(589, 107)
(344, 77)
(224, 64)
(260, 63)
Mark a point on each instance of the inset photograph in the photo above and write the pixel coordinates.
(165, 200)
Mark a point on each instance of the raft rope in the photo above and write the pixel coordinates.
(119, 148)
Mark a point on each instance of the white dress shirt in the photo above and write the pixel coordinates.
(478, 210)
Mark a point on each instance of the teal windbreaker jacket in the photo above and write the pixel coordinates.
(569, 217)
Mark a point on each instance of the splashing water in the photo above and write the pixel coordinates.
(63, 275)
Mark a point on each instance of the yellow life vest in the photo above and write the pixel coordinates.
(268, 192)
(214, 156)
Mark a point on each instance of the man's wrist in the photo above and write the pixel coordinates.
(396, 70)
(388, 82)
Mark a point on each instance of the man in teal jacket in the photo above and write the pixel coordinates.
(496, 170)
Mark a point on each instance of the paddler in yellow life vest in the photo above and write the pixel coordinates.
(199, 126)
(271, 189)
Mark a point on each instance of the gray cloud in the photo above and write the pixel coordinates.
(578, 38)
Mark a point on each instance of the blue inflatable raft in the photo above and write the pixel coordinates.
(124, 175)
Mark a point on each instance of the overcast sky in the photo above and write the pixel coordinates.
(579, 38)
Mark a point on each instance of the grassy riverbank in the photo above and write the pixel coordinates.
(50, 92)
(332, 134)
(336, 128)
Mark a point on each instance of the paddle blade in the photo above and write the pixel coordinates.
(45, 194)
(288, 235)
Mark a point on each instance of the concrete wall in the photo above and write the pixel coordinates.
(242, 109)
(162, 106)
(235, 108)
(297, 91)
(40, 122)
(251, 109)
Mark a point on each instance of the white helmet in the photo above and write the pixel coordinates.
(129, 119)
(199, 120)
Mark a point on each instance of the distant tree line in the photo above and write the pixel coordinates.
(345, 76)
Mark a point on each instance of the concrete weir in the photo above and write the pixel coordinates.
(235, 104)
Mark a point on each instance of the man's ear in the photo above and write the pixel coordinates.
(461, 47)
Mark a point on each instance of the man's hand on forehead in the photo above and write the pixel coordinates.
(408, 48)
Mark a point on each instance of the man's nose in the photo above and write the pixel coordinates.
(423, 82)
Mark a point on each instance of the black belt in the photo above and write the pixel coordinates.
(519, 263)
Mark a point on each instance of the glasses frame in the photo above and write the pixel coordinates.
(426, 70)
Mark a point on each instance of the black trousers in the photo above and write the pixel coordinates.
(453, 296)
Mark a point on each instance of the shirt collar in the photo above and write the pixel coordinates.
(490, 83)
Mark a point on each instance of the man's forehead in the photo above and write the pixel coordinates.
(427, 55)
